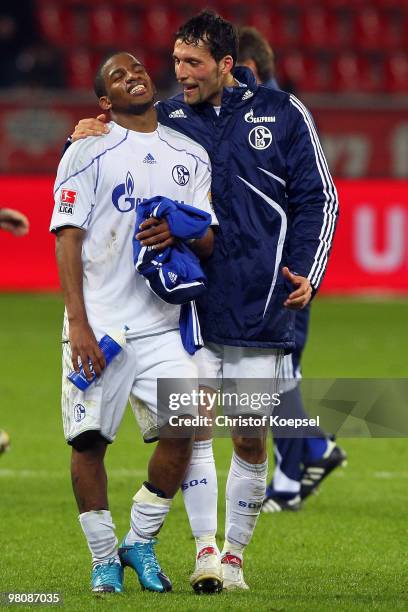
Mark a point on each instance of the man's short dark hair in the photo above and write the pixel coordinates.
(252, 45)
(218, 34)
(99, 81)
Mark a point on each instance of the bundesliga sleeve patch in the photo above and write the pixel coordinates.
(67, 201)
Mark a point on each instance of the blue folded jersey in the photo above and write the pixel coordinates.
(175, 274)
(175, 281)
(184, 221)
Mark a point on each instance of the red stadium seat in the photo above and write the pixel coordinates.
(81, 66)
(131, 33)
(343, 4)
(279, 28)
(56, 24)
(353, 74)
(89, 4)
(155, 63)
(396, 73)
(236, 14)
(394, 5)
(290, 5)
(227, 5)
(404, 30)
(374, 30)
(306, 73)
(122, 4)
(158, 27)
(322, 29)
(104, 25)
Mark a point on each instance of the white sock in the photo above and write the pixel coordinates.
(233, 549)
(245, 493)
(330, 446)
(206, 541)
(146, 516)
(99, 531)
(200, 493)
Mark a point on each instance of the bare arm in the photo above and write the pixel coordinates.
(156, 232)
(82, 339)
(203, 247)
(14, 221)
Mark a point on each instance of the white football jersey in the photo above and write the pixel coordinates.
(99, 183)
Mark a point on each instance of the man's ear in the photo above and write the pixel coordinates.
(105, 103)
(154, 94)
(226, 64)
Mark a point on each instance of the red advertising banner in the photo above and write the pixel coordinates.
(32, 133)
(370, 252)
(365, 142)
(28, 263)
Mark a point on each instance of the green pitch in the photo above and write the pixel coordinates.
(344, 551)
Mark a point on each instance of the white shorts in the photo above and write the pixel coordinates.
(218, 361)
(132, 375)
(289, 378)
(236, 364)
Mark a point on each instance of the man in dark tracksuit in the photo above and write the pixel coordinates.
(268, 167)
(268, 172)
(300, 463)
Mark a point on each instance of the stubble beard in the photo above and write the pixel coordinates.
(140, 109)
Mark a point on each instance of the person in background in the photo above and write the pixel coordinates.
(255, 53)
(17, 224)
(14, 222)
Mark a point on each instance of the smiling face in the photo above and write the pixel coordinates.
(128, 87)
(202, 78)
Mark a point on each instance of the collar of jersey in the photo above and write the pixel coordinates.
(121, 130)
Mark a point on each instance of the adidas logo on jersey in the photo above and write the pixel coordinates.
(173, 277)
(248, 94)
(178, 114)
(149, 159)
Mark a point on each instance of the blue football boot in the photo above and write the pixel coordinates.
(142, 558)
(107, 577)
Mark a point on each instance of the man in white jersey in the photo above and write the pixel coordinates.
(97, 189)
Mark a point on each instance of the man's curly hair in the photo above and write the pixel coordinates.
(219, 35)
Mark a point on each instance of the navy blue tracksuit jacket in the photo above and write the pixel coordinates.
(268, 166)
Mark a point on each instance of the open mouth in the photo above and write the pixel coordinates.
(189, 89)
(138, 90)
